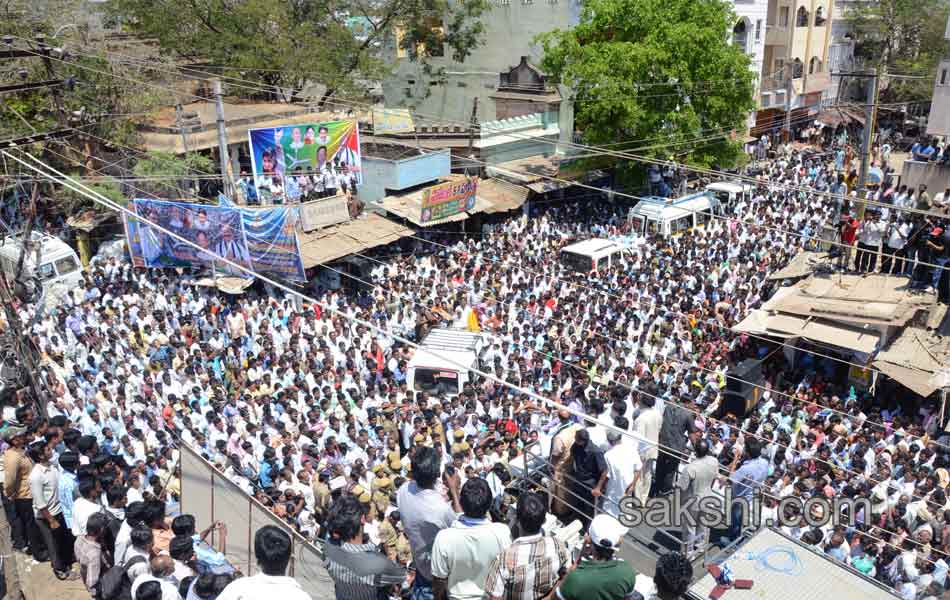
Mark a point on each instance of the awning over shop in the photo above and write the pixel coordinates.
(370, 230)
(917, 359)
(832, 117)
(409, 207)
(227, 284)
(501, 196)
(802, 265)
(759, 322)
(756, 323)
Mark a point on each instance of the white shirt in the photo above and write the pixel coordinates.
(623, 462)
(462, 554)
(261, 586)
(82, 510)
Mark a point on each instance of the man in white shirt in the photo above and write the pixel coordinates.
(463, 553)
(272, 549)
(86, 504)
(623, 469)
(869, 241)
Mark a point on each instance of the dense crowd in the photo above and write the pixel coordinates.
(309, 411)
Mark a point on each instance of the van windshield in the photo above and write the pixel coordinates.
(436, 381)
(577, 262)
(66, 265)
(723, 197)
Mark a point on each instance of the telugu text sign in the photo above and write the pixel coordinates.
(447, 199)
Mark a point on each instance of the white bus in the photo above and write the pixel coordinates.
(730, 192)
(591, 255)
(673, 216)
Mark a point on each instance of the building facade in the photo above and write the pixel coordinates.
(796, 73)
(499, 81)
(749, 33)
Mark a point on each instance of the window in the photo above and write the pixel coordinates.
(772, 12)
(576, 262)
(801, 18)
(436, 381)
(943, 77)
(602, 263)
(797, 69)
(819, 17)
(702, 217)
(681, 224)
(740, 36)
(783, 17)
(66, 265)
(814, 65)
(758, 30)
(45, 271)
(437, 49)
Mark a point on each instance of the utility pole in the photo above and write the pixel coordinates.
(223, 142)
(870, 111)
(48, 64)
(789, 90)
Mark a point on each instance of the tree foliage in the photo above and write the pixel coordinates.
(170, 173)
(657, 70)
(905, 37)
(288, 45)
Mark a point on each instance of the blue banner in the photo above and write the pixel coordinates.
(262, 240)
(271, 236)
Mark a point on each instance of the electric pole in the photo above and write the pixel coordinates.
(789, 90)
(870, 111)
(223, 142)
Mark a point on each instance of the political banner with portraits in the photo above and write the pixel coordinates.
(271, 237)
(215, 230)
(280, 156)
(263, 240)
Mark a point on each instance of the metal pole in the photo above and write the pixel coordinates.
(222, 141)
(789, 89)
(868, 139)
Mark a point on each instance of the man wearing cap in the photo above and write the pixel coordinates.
(17, 467)
(599, 575)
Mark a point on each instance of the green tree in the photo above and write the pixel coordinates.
(291, 45)
(661, 70)
(905, 37)
(171, 173)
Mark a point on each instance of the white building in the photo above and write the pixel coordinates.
(749, 33)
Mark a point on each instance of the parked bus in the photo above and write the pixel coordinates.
(673, 216)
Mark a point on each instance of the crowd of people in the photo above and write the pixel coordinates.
(615, 377)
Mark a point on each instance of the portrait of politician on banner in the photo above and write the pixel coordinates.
(322, 153)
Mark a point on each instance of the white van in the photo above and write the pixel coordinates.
(49, 259)
(442, 364)
(672, 216)
(591, 255)
(730, 192)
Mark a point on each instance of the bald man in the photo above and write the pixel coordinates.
(161, 569)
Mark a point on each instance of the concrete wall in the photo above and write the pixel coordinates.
(510, 28)
(755, 12)
(380, 174)
(935, 177)
(939, 121)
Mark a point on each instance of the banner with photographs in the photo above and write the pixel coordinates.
(263, 240)
(447, 199)
(283, 157)
(271, 236)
